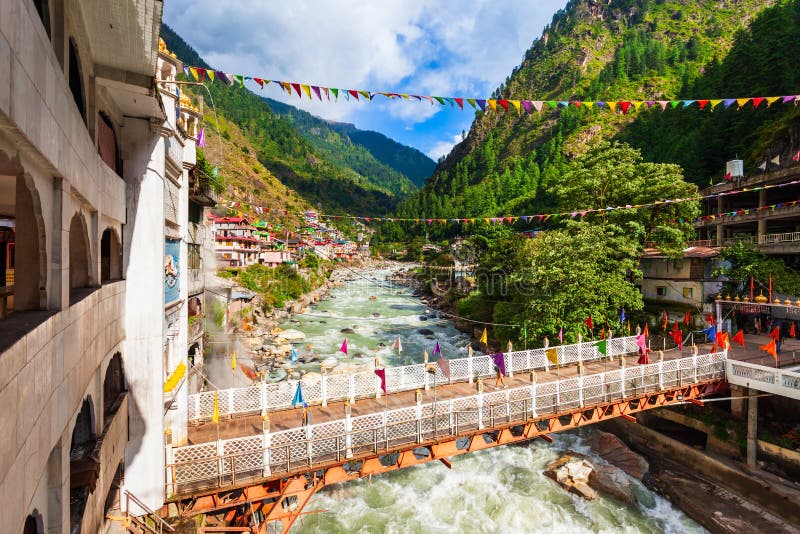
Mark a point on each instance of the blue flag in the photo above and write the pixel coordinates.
(294, 356)
(298, 395)
(622, 316)
(711, 332)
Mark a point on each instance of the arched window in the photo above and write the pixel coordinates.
(33, 524)
(83, 468)
(110, 257)
(113, 385)
(76, 78)
(78, 253)
(43, 9)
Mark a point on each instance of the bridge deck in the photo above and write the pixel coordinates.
(249, 425)
(292, 418)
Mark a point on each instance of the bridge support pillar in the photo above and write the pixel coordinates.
(738, 405)
(752, 429)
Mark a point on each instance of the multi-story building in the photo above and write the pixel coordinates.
(766, 217)
(95, 189)
(236, 242)
(684, 282)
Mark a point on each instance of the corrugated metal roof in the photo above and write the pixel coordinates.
(691, 252)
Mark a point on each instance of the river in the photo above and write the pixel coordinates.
(496, 490)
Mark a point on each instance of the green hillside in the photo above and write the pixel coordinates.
(630, 49)
(327, 169)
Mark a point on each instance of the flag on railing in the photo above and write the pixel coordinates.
(233, 362)
(775, 334)
(294, 356)
(770, 348)
(215, 413)
(298, 395)
(398, 345)
(792, 331)
(602, 348)
(436, 350)
(552, 355)
(343, 348)
(444, 365)
(710, 319)
(739, 338)
(382, 375)
(622, 317)
(711, 332)
(722, 341)
(646, 331)
(677, 337)
(484, 338)
(687, 317)
(499, 362)
(602, 332)
(590, 323)
(561, 335)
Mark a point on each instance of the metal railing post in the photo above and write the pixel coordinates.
(533, 396)
(480, 405)
(348, 428)
(220, 461)
(418, 414)
(324, 389)
(263, 390)
(352, 387)
(694, 367)
(469, 367)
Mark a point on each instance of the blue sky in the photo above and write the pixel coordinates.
(455, 48)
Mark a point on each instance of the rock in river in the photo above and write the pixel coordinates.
(347, 331)
(425, 332)
(611, 449)
(577, 474)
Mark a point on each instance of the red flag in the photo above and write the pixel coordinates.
(382, 375)
(675, 328)
(687, 317)
(710, 319)
(770, 348)
(796, 157)
(739, 338)
(775, 334)
(603, 332)
(722, 339)
(644, 354)
(590, 323)
(792, 331)
(677, 337)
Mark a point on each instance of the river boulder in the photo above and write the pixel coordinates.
(612, 449)
(425, 331)
(347, 331)
(572, 470)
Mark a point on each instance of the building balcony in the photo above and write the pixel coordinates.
(778, 243)
(752, 214)
(195, 281)
(201, 189)
(197, 327)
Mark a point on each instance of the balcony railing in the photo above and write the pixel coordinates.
(196, 283)
(788, 237)
(201, 189)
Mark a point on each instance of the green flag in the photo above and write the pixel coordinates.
(601, 347)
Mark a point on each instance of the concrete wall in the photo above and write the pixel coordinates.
(46, 375)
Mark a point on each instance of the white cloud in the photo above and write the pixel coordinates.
(442, 148)
(433, 47)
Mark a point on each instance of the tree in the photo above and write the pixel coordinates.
(741, 261)
(615, 175)
(560, 278)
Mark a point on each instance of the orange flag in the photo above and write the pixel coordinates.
(739, 338)
(646, 330)
(770, 348)
(792, 331)
(775, 334)
(722, 341)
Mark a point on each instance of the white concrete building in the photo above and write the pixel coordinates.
(93, 190)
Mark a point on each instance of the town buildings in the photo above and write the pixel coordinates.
(98, 227)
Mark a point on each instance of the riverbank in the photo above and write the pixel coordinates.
(716, 492)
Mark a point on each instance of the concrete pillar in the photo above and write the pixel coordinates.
(762, 223)
(752, 429)
(720, 227)
(738, 405)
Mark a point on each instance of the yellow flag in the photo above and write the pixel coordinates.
(715, 103)
(552, 355)
(194, 73)
(484, 337)
(492, 104)
(233, 361)
(306, 89)
(611, 105)
(771, 100)
(215, 414)
(211, 74)
(637, 104)
(742, 102)
(515, 103)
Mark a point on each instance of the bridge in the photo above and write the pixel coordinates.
(259, 465)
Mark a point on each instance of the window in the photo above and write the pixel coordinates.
(661, 291)
(687, 292)
(43, 9)
(107, 144)
(76, 78)
(194, 256)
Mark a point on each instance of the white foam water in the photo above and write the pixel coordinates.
(495, 490)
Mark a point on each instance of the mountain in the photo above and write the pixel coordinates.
(410, 163)
(633, 50)
(325, 167)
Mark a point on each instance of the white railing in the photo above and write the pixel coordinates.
(769, 239)
(298, 449)
(263, 397)
(762, 378)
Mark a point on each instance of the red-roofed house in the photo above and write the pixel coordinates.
(236, 242)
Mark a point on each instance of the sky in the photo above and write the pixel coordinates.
(458, 48)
